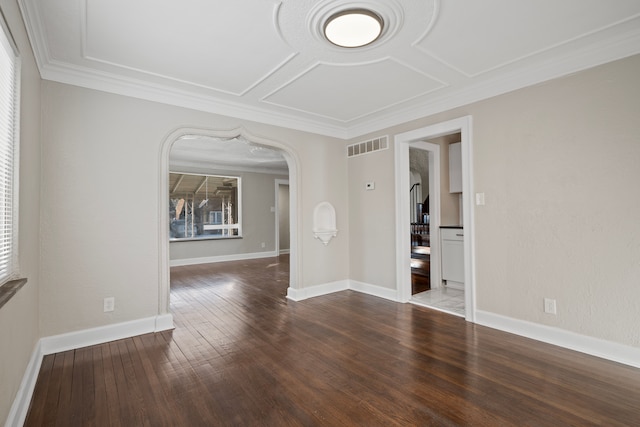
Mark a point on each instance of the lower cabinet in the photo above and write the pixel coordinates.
(452, 246)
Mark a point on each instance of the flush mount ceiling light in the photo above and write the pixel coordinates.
(353, 28)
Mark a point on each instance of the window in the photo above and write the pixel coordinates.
(204, 206)
(9, 126)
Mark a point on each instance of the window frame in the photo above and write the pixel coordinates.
(237, 225)
(7, 43)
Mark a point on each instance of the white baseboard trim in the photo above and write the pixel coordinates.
(317, 290)
(220, 258)
(594, 346)
(342, 285)
(376, 291)
(455, 285)
(285, 251)
(164, 322)
(102, 334)
(20, 406)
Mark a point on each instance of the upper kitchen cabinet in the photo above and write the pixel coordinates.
(455, 168)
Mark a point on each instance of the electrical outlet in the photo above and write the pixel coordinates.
(109, 304)
(370, 186)
(550, 306)
(263, 245)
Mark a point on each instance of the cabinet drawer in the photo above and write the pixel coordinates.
(452, 233)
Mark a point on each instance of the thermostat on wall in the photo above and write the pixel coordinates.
(370, 185)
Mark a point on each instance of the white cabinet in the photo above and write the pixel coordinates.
(452, 245)
(455, 168)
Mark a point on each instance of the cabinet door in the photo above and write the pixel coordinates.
(453, 260)
(455, 168)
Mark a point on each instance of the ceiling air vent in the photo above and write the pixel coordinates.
(369, 146)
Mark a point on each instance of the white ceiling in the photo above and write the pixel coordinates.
(266, 60)
(228, 154)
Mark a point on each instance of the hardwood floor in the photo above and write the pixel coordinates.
(243, 355)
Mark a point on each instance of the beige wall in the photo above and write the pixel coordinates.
(371, 218)
(90, 247)
(283, 218)
(19, 317)
(558, 164)
(258, 222)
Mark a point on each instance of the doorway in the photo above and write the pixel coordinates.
(423, 170)
(282, 209)
(165, 320)
(418, 139)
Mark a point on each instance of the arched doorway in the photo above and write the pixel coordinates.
(165, 320)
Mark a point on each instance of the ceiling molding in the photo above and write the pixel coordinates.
(604, 42)
(106, 82)
(596, 54)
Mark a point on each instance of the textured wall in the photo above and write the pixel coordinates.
(371, 218)
(95, 146)
(558, 163)
(19, 317)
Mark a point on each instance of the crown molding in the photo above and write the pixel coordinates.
(616, 44)
(107, 82)
(579, 60)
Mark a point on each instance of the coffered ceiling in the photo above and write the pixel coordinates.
(267, 60)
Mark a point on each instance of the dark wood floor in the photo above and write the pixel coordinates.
(242, 355)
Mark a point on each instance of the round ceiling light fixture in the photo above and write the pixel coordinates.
(353, 28)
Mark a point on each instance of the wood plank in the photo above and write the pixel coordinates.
(241, 354)
(65, 410)
(39, 399)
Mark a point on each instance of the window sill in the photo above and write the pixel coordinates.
(202, 239)
(9, 289)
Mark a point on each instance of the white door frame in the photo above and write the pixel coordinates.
(278, 183)
(417, 138)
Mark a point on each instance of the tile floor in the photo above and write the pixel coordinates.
(443, 299)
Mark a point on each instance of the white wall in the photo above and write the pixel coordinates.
(558, 164)
(19, 317)
(101, 156)
(258, 222)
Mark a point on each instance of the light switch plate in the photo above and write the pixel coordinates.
(480, 199)
(370, 185)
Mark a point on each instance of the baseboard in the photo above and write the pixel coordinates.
(285, 251)
(164, 322)
(20, 406)
(594, 346)
(102, 334)
(455, 285)
(342, 285)
(316, 291)
(374, 290)
(220, 258)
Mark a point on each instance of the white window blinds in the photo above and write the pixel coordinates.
(9, 126)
